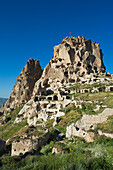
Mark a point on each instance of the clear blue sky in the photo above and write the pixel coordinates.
(31, 28)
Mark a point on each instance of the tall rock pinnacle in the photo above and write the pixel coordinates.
(74, 59)
(23, 87)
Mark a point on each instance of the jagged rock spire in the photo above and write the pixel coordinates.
(24, 85)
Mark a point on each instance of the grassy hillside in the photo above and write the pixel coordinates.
(74, 153)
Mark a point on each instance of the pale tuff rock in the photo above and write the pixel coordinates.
(73, 130)
(109, 135)
(43, 93)
(24, 145)
(23, 87)
(87, 122)
(74, 59)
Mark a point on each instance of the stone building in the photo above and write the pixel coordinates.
(24, 145)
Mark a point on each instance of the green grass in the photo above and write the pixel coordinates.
(71, 115)
(78, 155)
(89, 86)
(9, 129)
(96, 96)
(106, 126)
(109, 101)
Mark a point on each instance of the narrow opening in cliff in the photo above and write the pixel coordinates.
(66, 74)
(72, 55)
(95, 68)
(36, 99)
(60, 59)
(49, 98)
(55, 97)
(111, 88)
(79, 64)
(49, 91)
(67, 97)
(71, 80)
(86, 91)
(77, 128)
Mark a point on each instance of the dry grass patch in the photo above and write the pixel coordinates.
(97, 96)
(109, 101)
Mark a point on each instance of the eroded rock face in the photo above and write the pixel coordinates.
(24, 85)
(74, 59)
(24, 145)
(81, 127)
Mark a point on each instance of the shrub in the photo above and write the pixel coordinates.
(100, 163)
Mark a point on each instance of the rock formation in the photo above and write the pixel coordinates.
(88, 122)
(45, 94)
(24, 85)
(74, 59)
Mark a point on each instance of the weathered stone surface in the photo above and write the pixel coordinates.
(87, 122)
(57, 149)
(73, 59)
(22, 146)
(73, 130)
(24, 85)
(109, 135)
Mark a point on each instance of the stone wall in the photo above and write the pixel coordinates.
(22, 146)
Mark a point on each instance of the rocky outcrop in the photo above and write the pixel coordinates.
(74, 59)
(81, 127)
(109, 135)
(24, 85)
(73, 130)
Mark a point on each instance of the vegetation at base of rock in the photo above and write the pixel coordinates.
(80, 155)
(12, 130)
(106, 126)
(71, 116)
